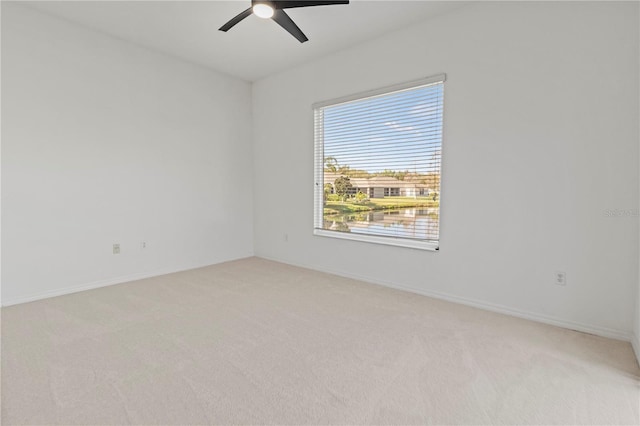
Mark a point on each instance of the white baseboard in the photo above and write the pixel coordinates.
(545, 319)
(107, 282)
(586, 328)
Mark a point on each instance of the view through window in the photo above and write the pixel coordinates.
(378, 161)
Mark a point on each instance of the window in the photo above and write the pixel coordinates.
(377, 165)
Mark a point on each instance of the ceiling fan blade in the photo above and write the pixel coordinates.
(281, 17)
(286, 4)
(226, 27)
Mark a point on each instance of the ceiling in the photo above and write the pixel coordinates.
(255, 47)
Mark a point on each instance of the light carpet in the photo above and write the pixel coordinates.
(258, 342)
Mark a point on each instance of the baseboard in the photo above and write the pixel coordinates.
(585, 328)
(108, 282)
(532, 316)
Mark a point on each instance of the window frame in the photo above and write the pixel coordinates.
(318, 218)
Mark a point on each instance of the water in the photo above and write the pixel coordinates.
(414, 223)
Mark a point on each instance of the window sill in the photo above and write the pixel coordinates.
(388, 241)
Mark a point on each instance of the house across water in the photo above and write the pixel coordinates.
(384, 186)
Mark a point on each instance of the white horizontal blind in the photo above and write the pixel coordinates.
(378, 158)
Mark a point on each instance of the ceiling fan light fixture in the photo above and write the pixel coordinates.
(263, 10)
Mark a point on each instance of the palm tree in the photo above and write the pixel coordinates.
(331, 164)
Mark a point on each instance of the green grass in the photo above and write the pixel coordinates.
(388, 203)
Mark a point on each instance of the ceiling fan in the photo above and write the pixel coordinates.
(274, 10)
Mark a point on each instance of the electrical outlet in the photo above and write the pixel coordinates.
(143, 245)
(561, 278)
(116, 249)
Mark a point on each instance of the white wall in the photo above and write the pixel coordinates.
(104, 142)
(635, 340)
(0, 157)
(541, 137)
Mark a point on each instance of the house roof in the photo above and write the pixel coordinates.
(375, 182)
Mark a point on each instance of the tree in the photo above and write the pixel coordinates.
(401, 175)
(331, 164)
(361, 197)
(328, 189)
(342, 186)
(344, 170)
